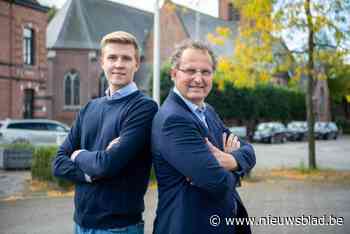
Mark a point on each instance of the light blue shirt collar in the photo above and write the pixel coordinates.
(123, 92)
(197, 110)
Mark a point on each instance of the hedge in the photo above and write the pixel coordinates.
(262, 103)
(19, 146)
(41, 166)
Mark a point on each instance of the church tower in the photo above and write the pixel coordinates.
(228, 11)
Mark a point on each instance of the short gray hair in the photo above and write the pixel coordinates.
(191, 44)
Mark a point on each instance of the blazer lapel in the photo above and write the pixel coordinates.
(203, 129)
(214, 132)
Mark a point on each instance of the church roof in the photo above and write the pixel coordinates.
(81, 24)
(33, 4)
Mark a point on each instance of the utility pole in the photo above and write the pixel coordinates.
(156, 55)
(198, 20)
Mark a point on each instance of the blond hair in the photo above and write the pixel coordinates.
(121, 37)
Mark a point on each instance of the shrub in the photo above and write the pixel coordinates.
(343, 124)
(18, 146)
(41, 166)
(264, 102)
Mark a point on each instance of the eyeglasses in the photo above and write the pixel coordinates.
(192, 71)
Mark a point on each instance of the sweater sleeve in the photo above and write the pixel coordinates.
(62, 165)
(183, 147)
(134, 135)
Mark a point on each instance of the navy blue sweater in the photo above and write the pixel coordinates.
(120, 175)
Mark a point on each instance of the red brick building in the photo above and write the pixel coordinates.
(23, 62)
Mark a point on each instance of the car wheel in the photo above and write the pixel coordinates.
(273, 140)
(335, 136)
(283, 139)
(303, 137)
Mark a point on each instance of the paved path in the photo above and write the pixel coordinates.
(269, 198)
(42, 215)
(12, 183)
(331, 154)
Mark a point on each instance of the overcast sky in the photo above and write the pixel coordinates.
(206, 6)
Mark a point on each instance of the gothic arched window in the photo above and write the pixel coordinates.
(72, 88)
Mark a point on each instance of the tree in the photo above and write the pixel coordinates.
(323, 25)
(253, 61)
(316, 26)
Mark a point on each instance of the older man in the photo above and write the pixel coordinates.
(198, 162)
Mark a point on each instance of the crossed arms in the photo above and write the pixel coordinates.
(199, 161)
(108, 162)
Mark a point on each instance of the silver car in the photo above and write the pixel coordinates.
(33, 131)
(326, 130)
(297, 130)
(271, 132)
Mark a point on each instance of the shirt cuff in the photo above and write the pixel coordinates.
(76, 155)
(87, 178)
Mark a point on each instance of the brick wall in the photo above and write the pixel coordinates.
(223, 9)
(171, 31)
(321, 100)
(14, 75)
(89, 72)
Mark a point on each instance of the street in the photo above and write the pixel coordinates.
(278, 198)
(330, 154)
(22, 212)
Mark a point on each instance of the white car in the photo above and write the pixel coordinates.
(33, 131)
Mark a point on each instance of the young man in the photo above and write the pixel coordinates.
(198, 162)
(107, 153)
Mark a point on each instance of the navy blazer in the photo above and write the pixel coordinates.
(192, 186)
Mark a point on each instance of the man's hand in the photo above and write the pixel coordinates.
(231, 143)
(225, 160)
(113, 142)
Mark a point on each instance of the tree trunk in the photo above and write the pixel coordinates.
(310, 88)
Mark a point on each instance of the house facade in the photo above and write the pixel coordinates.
(23, 63)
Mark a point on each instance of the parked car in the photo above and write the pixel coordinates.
(297, 130)
(271, 132)
(326, 130)
(34, 131)
(241, 131)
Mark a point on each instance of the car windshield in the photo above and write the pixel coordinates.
(277, 126)
(263, 126)
(333, 126)
(320, 125)
(297, 125)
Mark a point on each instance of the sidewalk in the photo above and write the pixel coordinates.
(271, 197)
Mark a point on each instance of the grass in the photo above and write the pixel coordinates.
(303, 174)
